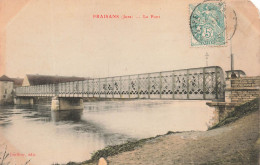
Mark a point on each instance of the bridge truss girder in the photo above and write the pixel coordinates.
(205, 83)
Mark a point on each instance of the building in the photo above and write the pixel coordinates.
(30, 80)
(8, 85)
(18, 82)
(6, 89)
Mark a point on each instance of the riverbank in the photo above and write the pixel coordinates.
(232, 141)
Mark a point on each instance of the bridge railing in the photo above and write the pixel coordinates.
(197, 83)
(238, 73)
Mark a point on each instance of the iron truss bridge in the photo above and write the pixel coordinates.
(205, 83)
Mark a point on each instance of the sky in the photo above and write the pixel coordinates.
(61, 37)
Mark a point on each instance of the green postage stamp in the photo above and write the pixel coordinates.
(207, 24)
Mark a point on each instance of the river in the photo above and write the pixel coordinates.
(63, 136)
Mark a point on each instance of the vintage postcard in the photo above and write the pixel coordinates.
(129, 82)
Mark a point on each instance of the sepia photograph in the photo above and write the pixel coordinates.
(134, 82)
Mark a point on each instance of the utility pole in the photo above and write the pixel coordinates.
(207, 55)
(108, 69)
(233, 75)
(231, 57)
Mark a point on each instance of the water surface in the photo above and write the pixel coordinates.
(60, 137)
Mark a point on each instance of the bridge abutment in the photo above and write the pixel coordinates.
(23, 101)
(238, 91)
(62, 103)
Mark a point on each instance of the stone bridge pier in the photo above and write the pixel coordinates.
(57, 103)
(23, 100)
(64, 103)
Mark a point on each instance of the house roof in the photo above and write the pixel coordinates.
(5, 78)
(18, 81)
(46, 79)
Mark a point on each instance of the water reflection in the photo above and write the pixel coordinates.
(68, 115)
(5, 113)
(63, 136)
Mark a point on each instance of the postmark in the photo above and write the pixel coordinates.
(231, 22)
(207, 24)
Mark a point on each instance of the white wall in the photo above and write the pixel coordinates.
(6, 88)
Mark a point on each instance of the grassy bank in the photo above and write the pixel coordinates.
(239, 112)
(117, 149)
